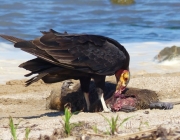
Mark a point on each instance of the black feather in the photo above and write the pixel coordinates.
(62, 56)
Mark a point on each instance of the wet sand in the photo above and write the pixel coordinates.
(30, 106)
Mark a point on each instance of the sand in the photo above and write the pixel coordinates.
(29, 106)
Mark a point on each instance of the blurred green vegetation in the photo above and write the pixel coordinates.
(123, 2)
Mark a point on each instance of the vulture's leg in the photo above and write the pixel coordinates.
(101, 97)
(100, 87)
(85, 89)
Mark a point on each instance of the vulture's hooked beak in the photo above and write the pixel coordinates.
(122, 77)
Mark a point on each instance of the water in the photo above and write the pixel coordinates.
(144, 28)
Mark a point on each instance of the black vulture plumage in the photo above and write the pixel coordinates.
(62, 56)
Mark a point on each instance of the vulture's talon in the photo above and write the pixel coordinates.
(107, 110)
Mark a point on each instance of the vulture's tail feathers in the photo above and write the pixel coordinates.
(45, 75)
(40, 67)
(35, 78)
(36, 65)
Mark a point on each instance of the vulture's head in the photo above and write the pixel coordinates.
(122, 77)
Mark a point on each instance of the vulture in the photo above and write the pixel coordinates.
(63, 56)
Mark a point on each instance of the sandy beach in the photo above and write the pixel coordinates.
(29, 105)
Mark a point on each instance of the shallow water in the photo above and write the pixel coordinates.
(144, 28)
(143, 21)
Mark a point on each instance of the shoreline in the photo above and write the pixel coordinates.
(142, 54)
(16, 73)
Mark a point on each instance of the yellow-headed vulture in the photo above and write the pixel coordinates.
(62, 56)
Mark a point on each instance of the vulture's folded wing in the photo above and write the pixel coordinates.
(86, 53)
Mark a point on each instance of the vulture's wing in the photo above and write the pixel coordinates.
(87, 53)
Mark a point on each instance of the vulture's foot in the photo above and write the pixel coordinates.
(161, 105)
(107, 110)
